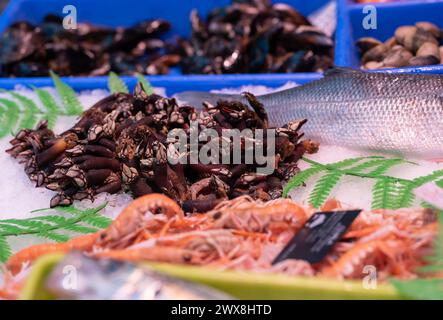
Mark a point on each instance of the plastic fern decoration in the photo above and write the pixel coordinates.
(116, 84)
(385, 193)
(52, 227)
(5, 249)
(145, 84)
(323, 188)
(388, 192)
(10, 115)
(30, 110)
(67, 95)
(18, 111)
(53, 110)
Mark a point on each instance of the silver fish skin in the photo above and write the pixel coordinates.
(390, 112)
(106, 279)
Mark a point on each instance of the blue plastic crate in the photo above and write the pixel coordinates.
(128, 12)
(389, 17)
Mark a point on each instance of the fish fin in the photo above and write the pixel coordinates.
(196, 98)
(340, 70)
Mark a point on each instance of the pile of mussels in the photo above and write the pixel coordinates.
(254, 36)
(122, 143)
(27, 50)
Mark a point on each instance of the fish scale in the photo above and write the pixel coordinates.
(400, 113)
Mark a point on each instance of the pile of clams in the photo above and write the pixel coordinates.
(418, 45)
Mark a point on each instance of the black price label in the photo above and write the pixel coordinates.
(317, 236)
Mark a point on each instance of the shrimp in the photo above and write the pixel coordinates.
(331, 204)
(133, 219)
(156, 254)
(82, 243)
(213, 244)
(390, 255)
(351, 264)
(121, 232)
(274, 217)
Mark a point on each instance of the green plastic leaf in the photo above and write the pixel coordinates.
(406, 189)
(349, 162)
(30, 111)
(382, 194)
(5, 250)
(387, 193)
(387, 164)
(406, 196)
(81, 229)
(90, 216)
(323, 188)
(116, 84)
(53, 227)
(53, 110)
(417, 182)
(376, 166)
(8, 230)
(98, 221)
(146, 85)
(68, 96)
(53, 236)
(10, 116)
(29, 224)
(300, 179)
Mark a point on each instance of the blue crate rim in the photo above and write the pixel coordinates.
(343, 33)
(404, 3)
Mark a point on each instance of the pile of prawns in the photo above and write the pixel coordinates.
(245, 234)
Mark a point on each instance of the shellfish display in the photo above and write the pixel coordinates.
(221, 149)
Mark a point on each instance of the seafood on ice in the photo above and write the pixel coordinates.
(390, 112)
(124, 142)
(246, 234)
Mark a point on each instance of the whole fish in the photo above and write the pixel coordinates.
(78, 277)
(401, 113)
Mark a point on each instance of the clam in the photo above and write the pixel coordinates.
(373, 65)
(404, 34)
(367, 43)
(429, 49)
(398, 58)
(377, 53)
(421, 37)
(391, 42)
(411, 45)
(429, 27)
(424, 61)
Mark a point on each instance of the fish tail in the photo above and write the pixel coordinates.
(196, 98)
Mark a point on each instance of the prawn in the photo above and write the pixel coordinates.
(274, 217)
(156, 254)
(133, 219)
(30, 254)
